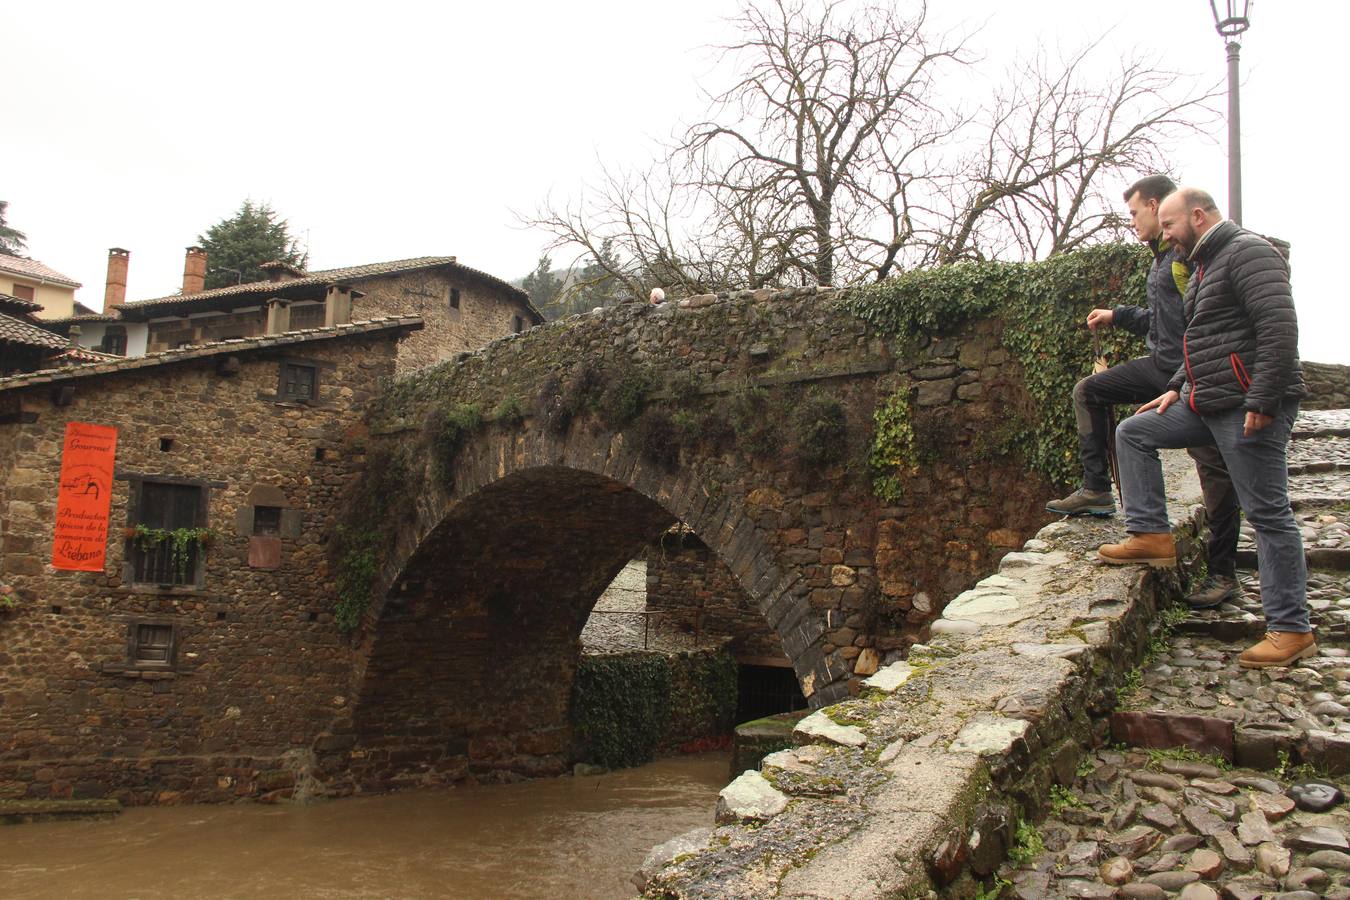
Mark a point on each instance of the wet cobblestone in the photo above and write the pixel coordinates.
(1148, 822)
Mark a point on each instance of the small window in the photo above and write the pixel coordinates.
(454, 298)
(24, 292)
(114, 341)
(267, 520)
(298, 383)
(517, 324)
(157, 554)
(151, 644)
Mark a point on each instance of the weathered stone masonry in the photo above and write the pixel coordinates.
(463, 665)
(492, 579)
(258, 661)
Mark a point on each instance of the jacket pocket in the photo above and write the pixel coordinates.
(1240, 372)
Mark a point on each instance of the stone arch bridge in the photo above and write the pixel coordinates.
(512, 484)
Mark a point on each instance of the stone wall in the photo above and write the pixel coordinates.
(470, 586)
(698, 593)
(260, 666)
(1328, 386)
(484, 314)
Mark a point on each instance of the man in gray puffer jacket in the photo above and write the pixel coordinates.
(1238, 388)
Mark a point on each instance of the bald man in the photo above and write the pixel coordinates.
(1237, 389)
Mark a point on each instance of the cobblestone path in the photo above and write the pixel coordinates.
(1220, 781)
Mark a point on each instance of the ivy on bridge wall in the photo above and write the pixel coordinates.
(1043, 306)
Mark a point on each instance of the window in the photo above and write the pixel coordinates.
(517, 324)
(24, 292)
(160, 556)
(454, 298)
(298, 383)
(152, 644)
(267, 520)
(114, 341)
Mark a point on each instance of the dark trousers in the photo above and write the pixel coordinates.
(1139, 381)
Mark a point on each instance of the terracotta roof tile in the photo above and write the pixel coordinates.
(84, 355)
(31, 268)
(217, 348)
(18, 331)
(11, 304)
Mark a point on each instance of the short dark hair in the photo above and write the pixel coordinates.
(1152, 187)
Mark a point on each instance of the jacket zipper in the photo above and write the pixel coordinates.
(1240, 371)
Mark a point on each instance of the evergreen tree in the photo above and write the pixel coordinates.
(12, 241)
(243, 242)
(542, 285)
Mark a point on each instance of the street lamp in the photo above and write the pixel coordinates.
(1231, 22)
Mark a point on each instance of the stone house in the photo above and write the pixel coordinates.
(462, 308)
(169, 656)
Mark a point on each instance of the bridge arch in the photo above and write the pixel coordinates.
(468, 654)
(497, 543)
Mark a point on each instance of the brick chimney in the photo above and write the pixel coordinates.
(194, 271)
(115, 293)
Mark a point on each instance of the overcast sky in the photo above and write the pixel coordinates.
(389, 130)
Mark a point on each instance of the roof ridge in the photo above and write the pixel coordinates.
(211, 348)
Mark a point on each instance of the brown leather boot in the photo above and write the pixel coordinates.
(1154, 549)
(1280, 648)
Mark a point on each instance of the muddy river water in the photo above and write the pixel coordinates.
(555, 838)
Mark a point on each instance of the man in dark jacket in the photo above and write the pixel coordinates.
(1238, 388)
(1161, 323)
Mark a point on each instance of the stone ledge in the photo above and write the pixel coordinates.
(16, 812)
(993, 712)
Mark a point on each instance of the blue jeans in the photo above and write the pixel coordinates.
(1260, 475)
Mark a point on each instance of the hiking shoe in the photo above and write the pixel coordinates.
(1155, 549)
(1280, 648)
(1083, 502)
(1213, 591)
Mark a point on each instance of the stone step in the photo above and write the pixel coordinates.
(1331, 558)
(1303, 433)
(1318, 467)
(15, 812)
(1256, 746)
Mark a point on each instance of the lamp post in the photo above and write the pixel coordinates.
(1231, 22)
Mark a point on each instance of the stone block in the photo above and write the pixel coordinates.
(935, 393)
(750, 798)
(1162, 731)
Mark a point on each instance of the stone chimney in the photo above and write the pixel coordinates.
(278, 316)
(115, 293)
(337, 306)
(194, 271)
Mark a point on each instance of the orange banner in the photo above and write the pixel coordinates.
(80, 541)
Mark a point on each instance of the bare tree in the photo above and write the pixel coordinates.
(833, 158)
(834, 107)
(1055, 148)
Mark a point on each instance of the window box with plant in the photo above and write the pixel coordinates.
(168, 538)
